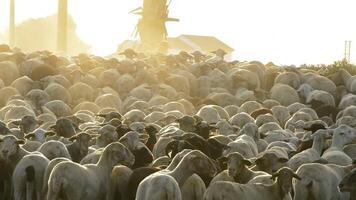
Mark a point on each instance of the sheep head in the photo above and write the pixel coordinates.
(116, 153)
(348, 183)
(9, 146)
(284, 180)
(199, 163)
(82, 140)
(27, 123)
(270, 163)
(236, 164)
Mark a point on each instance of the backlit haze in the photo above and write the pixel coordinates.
(282, 31)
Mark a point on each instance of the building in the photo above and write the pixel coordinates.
(189, 43)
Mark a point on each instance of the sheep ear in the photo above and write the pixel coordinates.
(20, 142)
(274, 176)
(40, 122)
(16, 122)
(94, 136)
(28, 136)
(296, 176)
(222, 159)
(144, 137)
(247, 162)
(73, 138)
(50, 133)
(282, 160)
(101, 115)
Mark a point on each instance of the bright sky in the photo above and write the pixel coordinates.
(282, 31)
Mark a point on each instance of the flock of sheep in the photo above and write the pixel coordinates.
(188, 126)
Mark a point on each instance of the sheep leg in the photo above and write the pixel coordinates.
(30, 191)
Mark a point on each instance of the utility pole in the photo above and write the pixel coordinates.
(12, 24)
(347, 51)
(62, 34)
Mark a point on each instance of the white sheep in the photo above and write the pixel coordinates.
(166, 184)
(90, 181)
(342, 135)
(28, 177)
(320, 181)
(312, 154)
(224, 190)
(284, 94)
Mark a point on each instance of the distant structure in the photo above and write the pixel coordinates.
(347, 57)
(62, 35)
(12, 24)
(151, 28)
(153, 33)
(188, 43)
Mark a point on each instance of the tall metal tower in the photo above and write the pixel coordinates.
(152, 26)
(62, 26)
(12, 24)
(347, 51)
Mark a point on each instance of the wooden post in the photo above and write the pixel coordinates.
(12, 24)
(62, 26)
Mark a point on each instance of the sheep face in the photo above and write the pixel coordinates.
(236, 163)
(82, 140)
(27, 123)
(3, 129)
(201, 164)
(9, 146)
(132, 140)
(270, 163)
(345, 134)
(284, 180)
(348, 183)
(116, 153)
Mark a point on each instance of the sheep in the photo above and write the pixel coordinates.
(59, 108)
(281, 113)
(341, 136)
(119, 182)
(244, 145)
(209, 114)
(107, 134)
(225, 128)
(271, 160)
(11, 152)
(319, 181)
(241, 119)
(252, 130)
(48, 172)
(289, 78)
(64, 127)
(23, 85)
(309, 95)
(143, 155)
(250, 106)
(237, 170)
(37, 98)
(58, 92)
(54, 149)
(284, 94)
(17, 112)
(109, 101)
(135, 179)
(168, 182)
(9, 72)
(78, 149)
(279, 190)
(312, 154)
(28, 177)
(27, 124)
(91, 181)
(347, 184)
